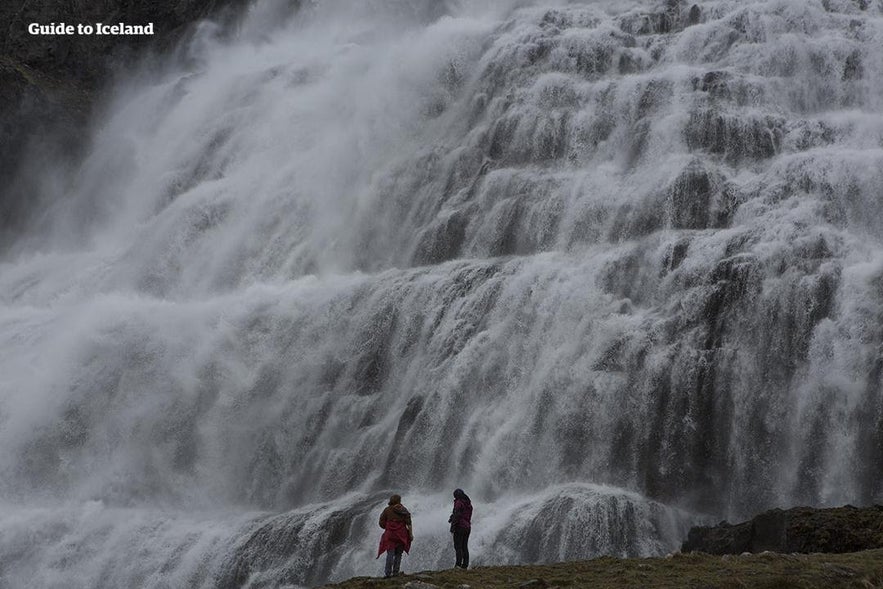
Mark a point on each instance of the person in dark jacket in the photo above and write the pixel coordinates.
(461, 525)
(397, 535)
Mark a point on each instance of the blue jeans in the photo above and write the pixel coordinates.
(393, 560)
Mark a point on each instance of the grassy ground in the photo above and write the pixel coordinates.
(862, 570)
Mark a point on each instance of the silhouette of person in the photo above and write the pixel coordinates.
(461, 525)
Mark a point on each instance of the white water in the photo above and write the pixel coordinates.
(610, 267)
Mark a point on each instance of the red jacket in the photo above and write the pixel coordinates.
(396, 522)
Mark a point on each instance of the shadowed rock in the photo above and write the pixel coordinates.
(801, 529)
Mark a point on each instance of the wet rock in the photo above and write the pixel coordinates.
(37, 111)
(799, 530)
(853, 68)
(736, 138)
(442, 240)
(690, 196)
(48, 82)
(715, 83)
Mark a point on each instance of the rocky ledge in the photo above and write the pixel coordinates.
(798, 530)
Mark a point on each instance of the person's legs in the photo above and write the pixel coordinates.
(397, 562)
(460, 537)
(465, 549)
(390, 558)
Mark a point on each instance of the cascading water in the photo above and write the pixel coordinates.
(614, 268)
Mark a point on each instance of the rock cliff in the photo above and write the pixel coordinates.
(801, 529)
(48, 82)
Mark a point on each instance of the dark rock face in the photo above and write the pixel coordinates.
(801, 529)
(48, 82)
(42, 118)
(83, 58)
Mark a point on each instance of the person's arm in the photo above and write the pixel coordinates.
(453, 519)
(383, 519)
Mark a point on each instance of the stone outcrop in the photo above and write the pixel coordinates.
(801, 530)
(48, 82)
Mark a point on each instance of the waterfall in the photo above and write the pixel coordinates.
(615, 268)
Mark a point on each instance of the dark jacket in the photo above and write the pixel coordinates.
(461, 517)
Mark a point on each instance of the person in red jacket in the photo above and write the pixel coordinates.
(397, 535)
(461, 525)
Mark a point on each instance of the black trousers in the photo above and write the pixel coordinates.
(461, 546)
